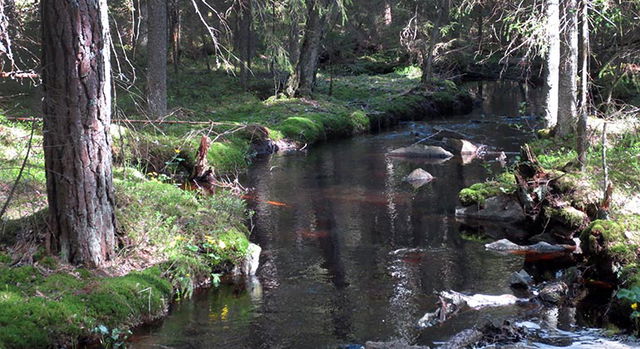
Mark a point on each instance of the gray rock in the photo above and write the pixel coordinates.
(505, 245)
(498, 208)
(392, 345)
(461, 146)
(419, 177)
(249, 265)
(421, 151)
(553, 293)
(520, 279)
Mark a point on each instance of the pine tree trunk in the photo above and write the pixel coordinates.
(77, 113)
(584, 85)
(302, 80)
(6, 53)
(157, 58)
(244, 40)
(553, 63)
(568, 84)
(176, 34)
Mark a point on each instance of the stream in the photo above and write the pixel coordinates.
(329, 220)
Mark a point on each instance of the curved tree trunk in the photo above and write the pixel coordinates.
(302, 80)
(568, 89)
(157, 58)
(553, 63)
(77, 114)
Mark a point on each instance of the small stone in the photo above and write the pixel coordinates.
(553, 293)
(520, 279)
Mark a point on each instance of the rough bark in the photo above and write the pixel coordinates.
(176, 34)
(76, 115)
(568, 80)
(553, 63)
(157, 59)
(302, 80)
(434, 38)
(584, 83)
(244, 40)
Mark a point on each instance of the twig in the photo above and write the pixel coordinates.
(15, 184)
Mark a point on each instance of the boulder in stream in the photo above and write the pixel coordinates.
(249, 264)
(502, 208)
(462, 146)
(421, 151)
(392, 345)
(506, 246)
(419, 177)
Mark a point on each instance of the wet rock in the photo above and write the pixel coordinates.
(520, 279)
(419, 177)
(422, 151)
(249, 265)
(498, 208)
(507, 246)
(553, 293)
(392, 345)
(461, 146)
(464, 339)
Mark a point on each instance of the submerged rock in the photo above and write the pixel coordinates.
(421, 151)
(419, 177)
(249, 265)
(392, 345)
(498, 208)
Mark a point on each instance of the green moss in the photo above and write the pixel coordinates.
(477, 193)
(567, 216)
(606, 239)
(301, 128)
(55, 310)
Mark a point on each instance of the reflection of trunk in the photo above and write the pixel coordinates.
(157, 58)
(568, 84)
(302, 80)
(584, 83)
(176, 28)
(77, 113)
(553, 63)
(244, 40)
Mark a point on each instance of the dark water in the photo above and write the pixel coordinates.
(328, 222)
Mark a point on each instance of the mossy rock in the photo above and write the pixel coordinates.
(606, 241)
(477, 193)
(569, 217)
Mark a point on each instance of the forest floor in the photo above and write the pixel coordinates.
(170, 240)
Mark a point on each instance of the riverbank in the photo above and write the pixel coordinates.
(558, 204)
(188, 238)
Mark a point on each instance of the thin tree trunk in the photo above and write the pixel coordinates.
(176, 32)
(388, 14)
(77, 113)
(553, 63)
(244, 40)
(434, 38)
(6, 53)
(302, 80)
(157, 58)
(568, 80)
(584, 85)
